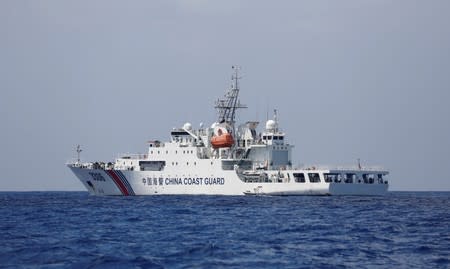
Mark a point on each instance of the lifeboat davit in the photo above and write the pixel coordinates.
(222, 141)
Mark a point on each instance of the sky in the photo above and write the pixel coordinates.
(351, 79)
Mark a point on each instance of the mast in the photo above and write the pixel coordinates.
(227, 106)
(79, 150)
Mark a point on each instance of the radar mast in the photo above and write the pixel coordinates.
(230, 103)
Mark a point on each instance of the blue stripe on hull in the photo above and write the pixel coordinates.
(125, 182)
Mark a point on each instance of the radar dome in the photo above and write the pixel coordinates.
(214, 125)
(187, 126)
(271, 125)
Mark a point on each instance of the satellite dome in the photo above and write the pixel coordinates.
(271, 125)
(187, 126)
(214, 125)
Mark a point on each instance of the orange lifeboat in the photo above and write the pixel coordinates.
(222, 141)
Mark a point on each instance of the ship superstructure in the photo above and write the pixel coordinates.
(224, 159)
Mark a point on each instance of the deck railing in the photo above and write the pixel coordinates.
(340, 167)
(132, 156)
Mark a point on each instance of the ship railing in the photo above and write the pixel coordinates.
(132, 156)
(91, 165)
(341, 167)
(77, 164)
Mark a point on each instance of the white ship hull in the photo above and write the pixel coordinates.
(224, 159)
(129, 183)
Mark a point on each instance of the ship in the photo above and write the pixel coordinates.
(224, 158)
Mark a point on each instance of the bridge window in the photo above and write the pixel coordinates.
(349, 178)
(368, 178)
(299, 177)
(331, 178)
(314, 177)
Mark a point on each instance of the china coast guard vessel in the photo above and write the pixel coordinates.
(224, 159)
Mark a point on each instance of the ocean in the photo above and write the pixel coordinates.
(76, 230)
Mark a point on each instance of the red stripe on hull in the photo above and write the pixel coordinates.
(118, 182)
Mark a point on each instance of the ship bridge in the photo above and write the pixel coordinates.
(271, 151)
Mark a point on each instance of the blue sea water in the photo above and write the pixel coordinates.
(75, 230)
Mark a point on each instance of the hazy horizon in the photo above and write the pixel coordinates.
(350, 79)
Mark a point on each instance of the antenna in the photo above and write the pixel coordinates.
(275, 118)
(235, 77)
(79, 150)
